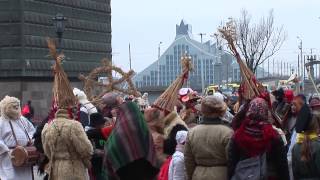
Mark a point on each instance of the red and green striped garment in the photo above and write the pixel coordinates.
(130, 140)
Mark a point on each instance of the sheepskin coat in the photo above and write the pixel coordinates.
(206, 150)
(7, 143)
(68, 148)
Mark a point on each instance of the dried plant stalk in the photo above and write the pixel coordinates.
(62, 90)
(251, 86)
(169, 98)
(91, 84)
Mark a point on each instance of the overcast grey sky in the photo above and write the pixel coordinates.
(144, 23)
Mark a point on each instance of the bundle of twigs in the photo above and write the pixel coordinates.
(250, 86)
(63, 96)
(106, 69)
(169, 98)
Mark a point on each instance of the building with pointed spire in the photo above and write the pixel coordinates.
(210, 65)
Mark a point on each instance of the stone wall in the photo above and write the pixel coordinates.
(39, 92)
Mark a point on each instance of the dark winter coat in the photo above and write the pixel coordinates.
(306, 170)
(277, 164)
(98, 142)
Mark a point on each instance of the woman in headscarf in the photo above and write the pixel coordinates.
(255, 137)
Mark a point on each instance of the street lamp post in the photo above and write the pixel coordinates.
(59, 25)
(158, 63)
(301, 58)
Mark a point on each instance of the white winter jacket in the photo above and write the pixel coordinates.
(177, 168)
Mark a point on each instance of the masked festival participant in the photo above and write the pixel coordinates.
(15, 130)
(130, 153)
(64, 140)
(142, 102)
(86, 107)
(288, 121)
(189, 99)
(282, 105)
(315, 106)
(172, 124)
(153, 117)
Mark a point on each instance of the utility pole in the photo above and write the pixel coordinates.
(130, 57)
(158, 64)
(302, 64)
(273, 68)
(298, 65)
(202, 65)
(278, 69)
(201, 34)
(263, 70)
(268, 67)
(281, 68)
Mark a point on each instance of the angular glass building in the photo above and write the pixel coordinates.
(210, 66)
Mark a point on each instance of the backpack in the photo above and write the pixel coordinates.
(254, 168)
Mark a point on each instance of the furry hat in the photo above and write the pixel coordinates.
(10, 108)
(170, 121)
(212, 106)
(110, 99)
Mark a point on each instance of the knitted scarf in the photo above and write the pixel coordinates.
(130, 140)
(254, 138)
(255, 133)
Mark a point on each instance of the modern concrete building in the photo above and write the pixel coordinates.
(25, 67)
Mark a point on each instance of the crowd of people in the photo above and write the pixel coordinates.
(203, 138)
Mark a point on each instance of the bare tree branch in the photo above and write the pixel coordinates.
(258, 42)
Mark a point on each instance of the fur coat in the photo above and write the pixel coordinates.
(7, 142)
(10, 112)
(67, 147)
